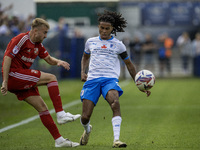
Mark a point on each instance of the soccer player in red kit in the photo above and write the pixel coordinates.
(22, 81)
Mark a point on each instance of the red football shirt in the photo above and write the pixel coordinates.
(23, 51)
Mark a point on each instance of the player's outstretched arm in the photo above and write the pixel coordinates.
(84, 66)
(6, 68)
(53, 61)
(131, 68)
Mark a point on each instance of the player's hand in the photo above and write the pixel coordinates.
(64, 64)
(83, 76)
(147, 92)
(4, 88)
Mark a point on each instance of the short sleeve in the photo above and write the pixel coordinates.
(43, 52)
(87, 50)
(122, 47)
(12, 48)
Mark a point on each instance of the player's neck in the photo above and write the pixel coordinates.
(31, 36)
(109, 38)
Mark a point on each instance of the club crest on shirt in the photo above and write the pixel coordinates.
(112, 46)
(36, 51)
(15, 49)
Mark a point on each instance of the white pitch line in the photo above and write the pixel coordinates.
(36, 117)
(73, 103)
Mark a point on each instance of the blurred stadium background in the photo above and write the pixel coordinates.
(74, 21)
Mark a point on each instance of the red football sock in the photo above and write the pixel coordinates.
(55, 95)
(49, 124)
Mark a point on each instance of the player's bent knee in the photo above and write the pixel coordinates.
(52, 78)
(46, 78)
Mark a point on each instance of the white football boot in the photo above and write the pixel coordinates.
(85, 137)
(68, 117)
(118, 144)
(67, 143)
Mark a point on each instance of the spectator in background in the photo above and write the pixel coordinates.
(4, 26)
(196, 53)
(149, 48)
(161, 55)
(135, 51)
(165, 53)
(196, 45)
(62, 29)
(4, 20)
(14, 25)
(185, 49)
(168, 44)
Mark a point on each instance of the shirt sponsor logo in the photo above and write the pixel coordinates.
(34, 71)
(27, 59)
(104, 46)
(15, 50)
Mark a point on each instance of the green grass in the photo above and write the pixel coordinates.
(169, 119)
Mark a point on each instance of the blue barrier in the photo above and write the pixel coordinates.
(196, 66)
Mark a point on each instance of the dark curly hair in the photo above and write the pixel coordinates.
(116, 20)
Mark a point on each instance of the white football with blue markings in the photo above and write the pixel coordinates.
(144, 80)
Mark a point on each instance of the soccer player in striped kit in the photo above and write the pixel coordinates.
(101, 56)
(19, 79)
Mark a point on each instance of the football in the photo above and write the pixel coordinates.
(144, 80)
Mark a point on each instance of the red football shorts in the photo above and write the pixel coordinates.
(22, 82)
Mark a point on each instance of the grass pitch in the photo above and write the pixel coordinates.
(169, 119)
